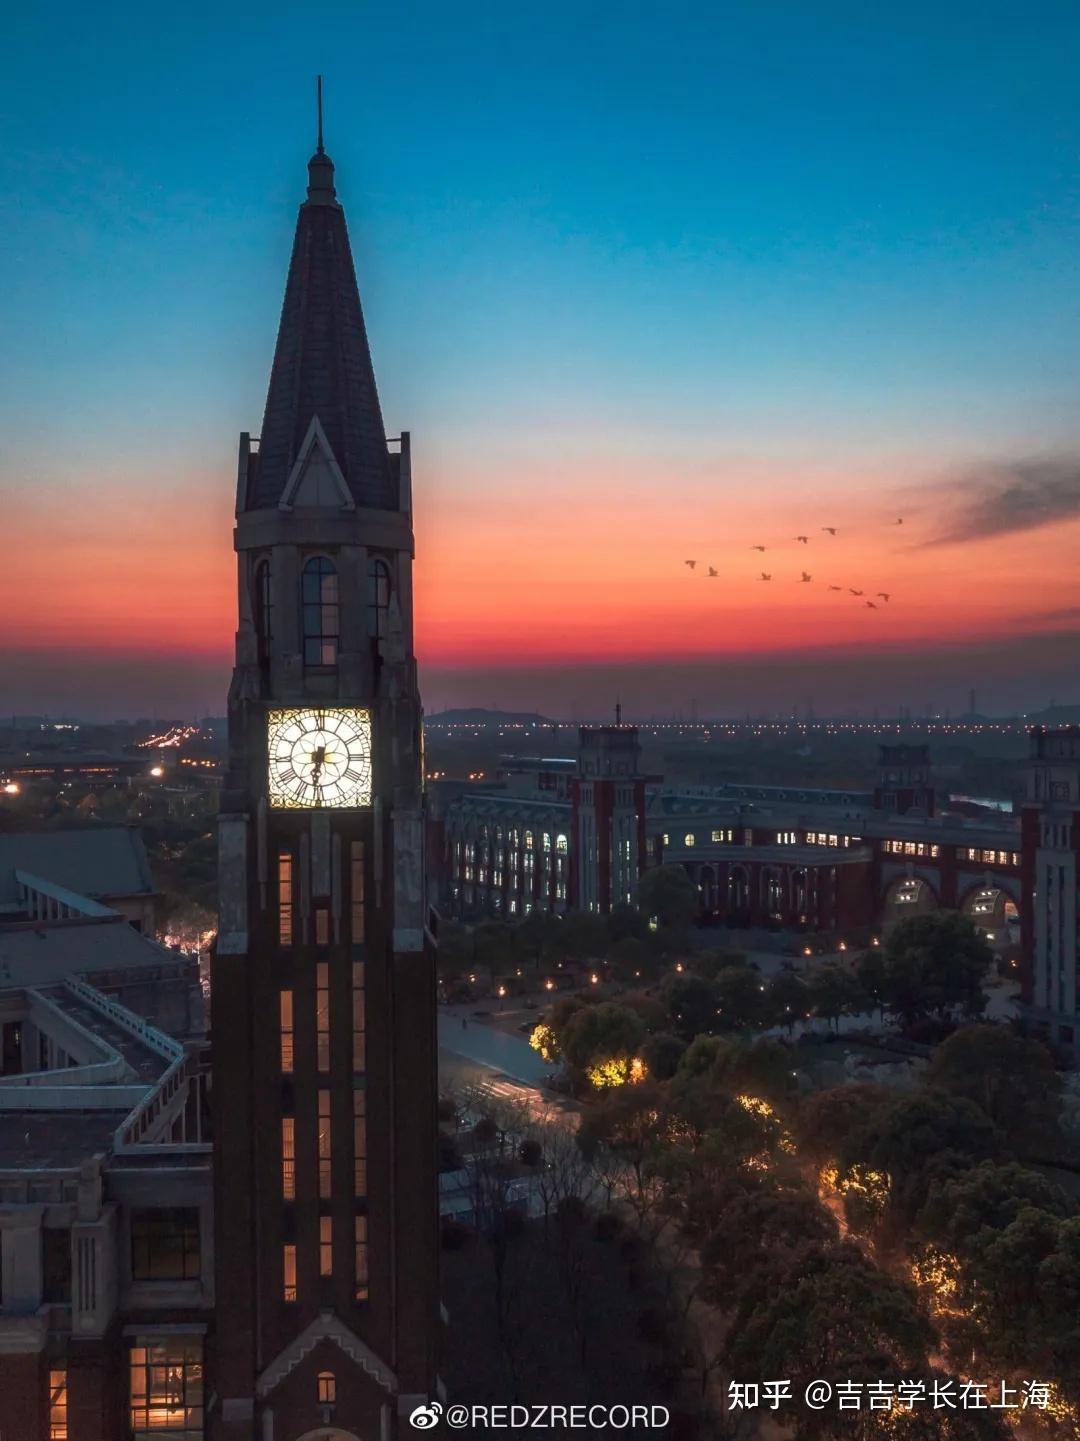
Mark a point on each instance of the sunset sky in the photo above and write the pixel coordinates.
(646, 283)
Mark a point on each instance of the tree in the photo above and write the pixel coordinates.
(827, 1118)
(827, 1311)
(626, 920)
(871, 973)
(691, 1004)
(835, 992)
(631, 960)
(963, 1213)
(584, 935)
(600, 1033)
(710, 963)
(668, 893)
(536, 936)
(787, 999)
(916, 1140)
(936, 963)
(662, 1053)
(740, 998)
(493, 945)
(1011, 1078)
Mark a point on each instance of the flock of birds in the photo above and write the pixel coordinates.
(806, 578)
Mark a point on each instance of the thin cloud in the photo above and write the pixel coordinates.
(1012, 496)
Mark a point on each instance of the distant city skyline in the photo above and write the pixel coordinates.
(642, 296)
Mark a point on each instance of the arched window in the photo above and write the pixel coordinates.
(378, 597)
(262, 604)
(327, 1388)
(321, 614)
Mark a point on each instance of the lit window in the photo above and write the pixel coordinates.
(327, 1388)
(665, 839)
(561, 843)
(165, 1244)
(289, 1273)
(326, 1245)
(359, 1030)
(319, 590)
(285, 898)
(324, 1145)
(167, 1389)
(357, 891)
(360, 1143)
(688, 839)
(378, 597)
(58, 1425)
(718, 835)
(528, 840)
(361, 1261)
(288, 1158)
(286, 1032)
(547, 841)
(322, 1015)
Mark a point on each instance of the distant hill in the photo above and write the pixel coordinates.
(481, 716)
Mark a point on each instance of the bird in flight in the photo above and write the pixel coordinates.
(690, 563)
(855, 592)
(804, 538)
(829, 529)
(870, 605)
(806, 576)
(900, 520)
(713, 572)
(836, 587)
(758, 547)
(884, 594)
(765, 577)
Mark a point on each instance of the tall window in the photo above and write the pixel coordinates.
(167, 1389)
(327, 1388)
(58, 1425)
(322, 926)
(288, 1265)
(356, 878)
(286, 1033)
(165, 1244)
(326, 1245)
(359, 1032)
(319, 586)
(361, 1259)
(262, 604)
(324, 1145)
(322, 1015)
(288, 1158)
(360, 1143)
(378, 597)
(285, 897)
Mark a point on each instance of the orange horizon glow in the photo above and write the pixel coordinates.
(572, 571)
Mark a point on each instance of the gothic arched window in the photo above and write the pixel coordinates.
(262, 604)
(378, 597)
(322, 627)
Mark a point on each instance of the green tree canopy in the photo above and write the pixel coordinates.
(1013, 1079)
(935, 963)
(600, 1033)
(668, 893)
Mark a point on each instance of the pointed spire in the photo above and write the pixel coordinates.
(322, 364)
(320, 167)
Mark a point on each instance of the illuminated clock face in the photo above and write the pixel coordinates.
(319, 759)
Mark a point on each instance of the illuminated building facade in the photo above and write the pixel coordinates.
(760, 856)
(1051, 858)
(324, 1054)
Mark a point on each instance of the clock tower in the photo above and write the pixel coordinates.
(323, 1016)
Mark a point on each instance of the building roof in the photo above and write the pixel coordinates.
(322, 364)
(37, 955)
(95, 861)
